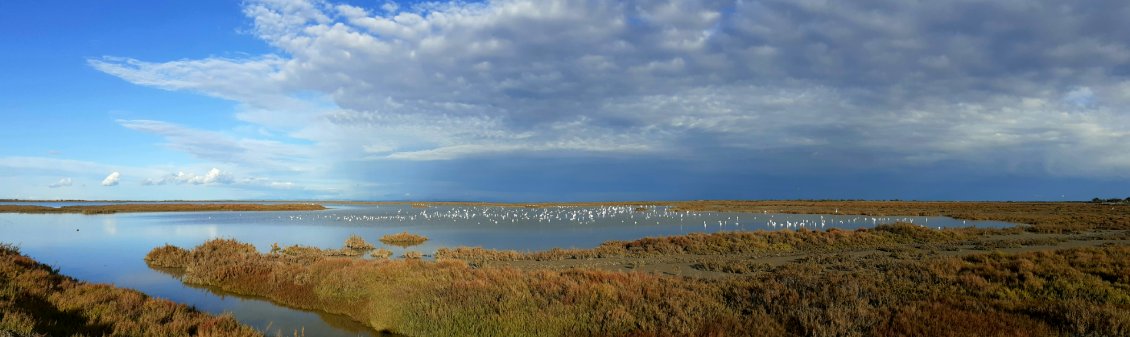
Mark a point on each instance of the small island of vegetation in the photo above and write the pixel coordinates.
(404, 239)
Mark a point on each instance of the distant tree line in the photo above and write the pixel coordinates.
(1111, 201)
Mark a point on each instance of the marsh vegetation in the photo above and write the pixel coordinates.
(356, 242)
(404, 239)
(35, 300)
(1080, 291)
(825, 292)
(1062, 273)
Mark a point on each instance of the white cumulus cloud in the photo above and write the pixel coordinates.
(112, 179)
(214, 176)
(64, 182)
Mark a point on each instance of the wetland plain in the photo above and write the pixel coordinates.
(711, 268)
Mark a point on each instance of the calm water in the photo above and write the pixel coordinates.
(110, 248)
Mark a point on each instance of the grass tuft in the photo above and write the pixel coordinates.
(168, 256)
(356, 242)
(403, 239)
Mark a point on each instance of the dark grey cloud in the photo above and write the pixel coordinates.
(766, 88)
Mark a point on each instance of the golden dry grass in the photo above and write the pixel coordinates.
(1067, 292)
(404, 239)
(759, 243)
(354, 246)
(167, 256)
(356, 242)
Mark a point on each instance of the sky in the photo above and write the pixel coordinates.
(547, 100)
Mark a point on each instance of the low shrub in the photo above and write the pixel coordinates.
(168, 256)
(356, 242)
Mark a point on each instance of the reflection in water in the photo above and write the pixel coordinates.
(338, 323)
(403, 245)
(110, 248)
(208, 231)
(110, 225)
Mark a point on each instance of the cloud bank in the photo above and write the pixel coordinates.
(1031, 88)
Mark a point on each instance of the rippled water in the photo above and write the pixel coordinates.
(110, 248)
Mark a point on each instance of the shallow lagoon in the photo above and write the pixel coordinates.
(110, 248)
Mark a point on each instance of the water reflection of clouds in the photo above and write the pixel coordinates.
(208, 231)
(110, 225)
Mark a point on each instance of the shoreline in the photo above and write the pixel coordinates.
(150, 208)
(36, 300)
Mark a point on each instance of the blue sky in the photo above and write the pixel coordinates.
(564, 100)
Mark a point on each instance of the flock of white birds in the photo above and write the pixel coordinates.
(630, 215)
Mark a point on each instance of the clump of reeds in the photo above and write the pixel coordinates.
(167, 256)
(297, 250)
(732, 267)
(380, 253)
(479, 254)
(344, 252)
(356, 242)
(411, 254)
(404, 239)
